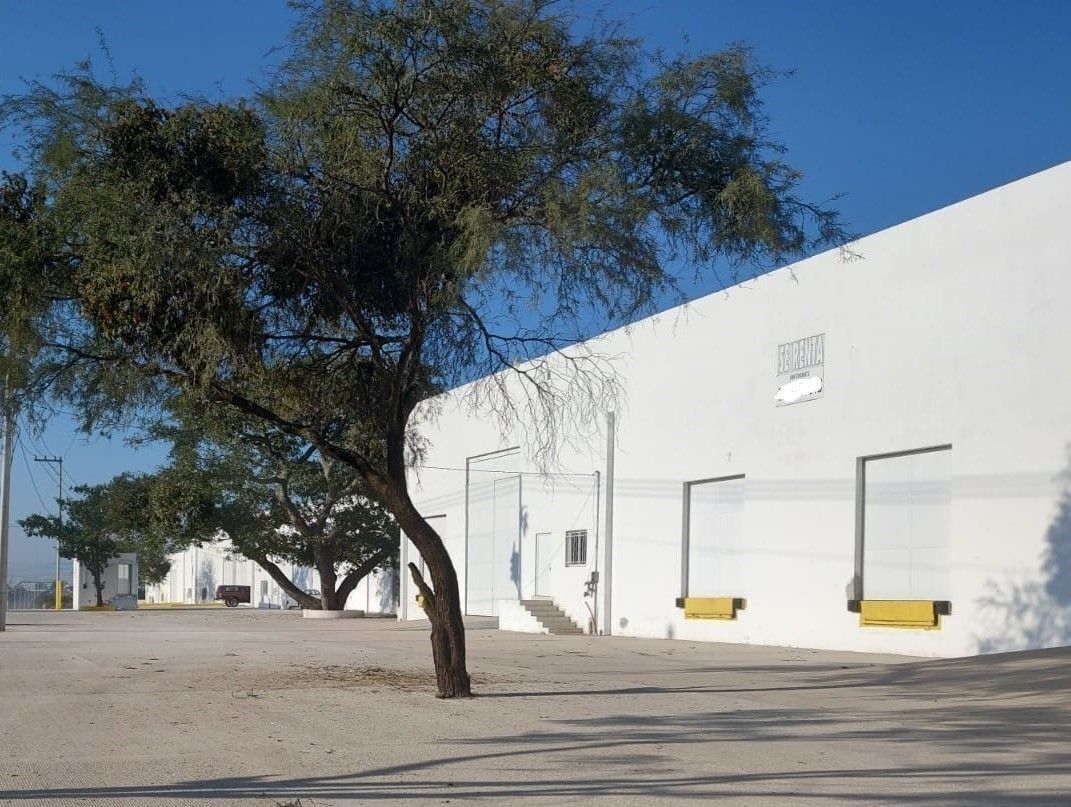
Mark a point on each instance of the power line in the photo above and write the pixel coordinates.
(50, 473)
(26, 462)
(43, 447)
(507, 473)
(70, 445)
(59, 501)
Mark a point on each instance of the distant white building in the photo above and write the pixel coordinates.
(119, 583)
(197, 571)
(863, 455)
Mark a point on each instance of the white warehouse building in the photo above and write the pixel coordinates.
(867, 454)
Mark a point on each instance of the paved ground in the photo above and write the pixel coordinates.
(255, 708)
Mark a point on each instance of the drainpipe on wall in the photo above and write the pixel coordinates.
(608, 566)
(597, 587)
(403, 578)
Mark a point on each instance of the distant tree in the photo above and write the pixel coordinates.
(84, 535)
(130, 509)
(102, 521)
(429, 191)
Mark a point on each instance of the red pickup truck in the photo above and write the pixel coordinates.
(232, 595)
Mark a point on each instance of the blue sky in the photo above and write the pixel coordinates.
(901, 108)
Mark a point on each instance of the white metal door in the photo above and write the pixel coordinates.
(494, 543)
(906, 532)
(544, 552)
(480, 572)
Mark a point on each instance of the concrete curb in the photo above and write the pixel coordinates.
(151, 605)
(310, 614)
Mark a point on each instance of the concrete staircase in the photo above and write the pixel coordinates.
(551, 617)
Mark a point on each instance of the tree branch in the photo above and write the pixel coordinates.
(355, 576)
(303, 599)
(424, 588)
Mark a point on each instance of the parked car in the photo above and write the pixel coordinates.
(312, 592)
(232, 595)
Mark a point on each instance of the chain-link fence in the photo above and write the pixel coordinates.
(22, 597)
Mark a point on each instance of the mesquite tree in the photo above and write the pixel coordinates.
(427, 192)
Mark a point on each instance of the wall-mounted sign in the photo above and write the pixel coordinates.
(800, 370)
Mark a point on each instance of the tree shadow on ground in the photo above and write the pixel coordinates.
(953, 786)
(960, 732)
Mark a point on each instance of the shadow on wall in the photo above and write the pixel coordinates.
(206, 582)
(387, 591)
(515, 554)
(1036, 613)
(300, 577)
(515, 570)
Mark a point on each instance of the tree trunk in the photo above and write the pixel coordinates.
(355, 576)
(442, 602)
(97, 574)
(295, 593)
(325, 567)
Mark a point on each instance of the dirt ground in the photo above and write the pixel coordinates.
(244, 707)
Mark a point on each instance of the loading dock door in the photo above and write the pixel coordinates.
(715, 538)
(906, 526)
(494, 536)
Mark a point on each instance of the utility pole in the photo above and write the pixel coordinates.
(59, 583)
(5, 501)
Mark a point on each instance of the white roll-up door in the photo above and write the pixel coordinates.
(507, 553)
(481, 525)
(715, 538)
(906, 526)
(494, 510)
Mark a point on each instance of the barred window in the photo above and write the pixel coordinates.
(576, 547)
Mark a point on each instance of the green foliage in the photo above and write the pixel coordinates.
(105, 520)
(272, 494)
(427, 191)
(27, 243)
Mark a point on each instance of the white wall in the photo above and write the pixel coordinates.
(376, 594)
(949, 329)
(85, 590)
(196, 571)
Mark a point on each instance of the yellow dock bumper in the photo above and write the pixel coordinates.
(711, 607)
(921, 614)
